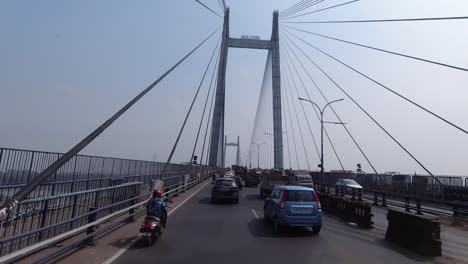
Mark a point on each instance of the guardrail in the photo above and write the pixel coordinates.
(451, 189)
(69, 186)
(94, 217)
(18, 166)
(441, 208)
(44, 213)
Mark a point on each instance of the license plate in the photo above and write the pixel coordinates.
(147, 234)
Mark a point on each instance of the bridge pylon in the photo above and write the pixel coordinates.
(216, 157)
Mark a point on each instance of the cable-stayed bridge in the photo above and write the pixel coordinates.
(60, 198)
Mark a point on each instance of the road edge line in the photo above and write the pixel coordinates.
(255, 213)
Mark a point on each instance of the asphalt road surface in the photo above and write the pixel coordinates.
(202, 232)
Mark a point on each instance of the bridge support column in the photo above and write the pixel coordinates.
(238, 151)
(216, 158)
(276, 81)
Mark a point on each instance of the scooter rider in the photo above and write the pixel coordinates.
(157, 207)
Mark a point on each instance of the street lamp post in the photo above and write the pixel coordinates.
(321, 130)
(258, 152)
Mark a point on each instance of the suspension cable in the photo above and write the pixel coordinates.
(380, 20)
(299, 8)
(208, 122)
(206, 101)
(198, 1)
(320, 10)
(373, 119)
(324, 97)
(385, 87)
(11, 203)
(295, 111)
(221, 6)
(286, 127)
(290, 119)
(293, 6)
(297, 116)
(383, 50)
(315, 110)
(304, 7)
(174, 147)
(303, 110)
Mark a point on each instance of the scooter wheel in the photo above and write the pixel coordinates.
(147, 241)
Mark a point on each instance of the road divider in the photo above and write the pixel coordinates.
(346, 208)
(420, 233)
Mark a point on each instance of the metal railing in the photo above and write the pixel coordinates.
(82, 172)
(84, 183)
(411, 192)
(85, 222)
(20, 166)
(69, 186)
(417, 186)
(40, 215)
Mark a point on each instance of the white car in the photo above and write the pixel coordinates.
(348, 183)
(304, 180)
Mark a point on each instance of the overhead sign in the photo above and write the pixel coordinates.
(250, 37)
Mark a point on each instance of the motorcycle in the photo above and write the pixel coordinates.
(151, 229)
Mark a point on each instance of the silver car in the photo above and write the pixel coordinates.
(348, 183)
(304, 180)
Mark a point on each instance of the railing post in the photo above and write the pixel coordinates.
(376, 199)
(91, 218)
(353, 194)
(131, 218)
(30, 164)
(407, 204)
(360, 195)
(418, 207)
(384, 200)
(455, 210)
(112, 199)
(45, 209)
(75, 204)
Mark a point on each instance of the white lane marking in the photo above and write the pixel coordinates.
(255, 213)
(129, 245)
(243, 195)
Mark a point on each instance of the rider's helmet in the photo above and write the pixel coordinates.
(157, 194)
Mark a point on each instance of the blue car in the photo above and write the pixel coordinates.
(293, 206)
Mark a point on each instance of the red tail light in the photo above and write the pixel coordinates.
(318, 201)
(283, 199)
(150, 225)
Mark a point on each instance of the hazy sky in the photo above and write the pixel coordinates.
(66, 66)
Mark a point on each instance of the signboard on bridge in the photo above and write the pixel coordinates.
(250, 37)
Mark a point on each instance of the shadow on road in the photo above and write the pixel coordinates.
(122, 242)
(260, 228)
(254, 197)
(403, 251)
(207, 200)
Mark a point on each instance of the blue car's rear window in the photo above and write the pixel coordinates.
(301, 196)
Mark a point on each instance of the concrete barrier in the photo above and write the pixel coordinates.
(420, 233)
(355, 211)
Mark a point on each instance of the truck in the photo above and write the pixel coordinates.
(240, 171)
(271, 179)
(252, 178)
